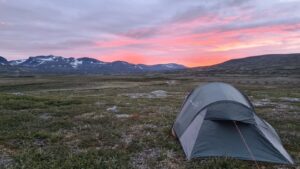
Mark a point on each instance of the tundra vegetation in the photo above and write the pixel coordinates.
(62, 122)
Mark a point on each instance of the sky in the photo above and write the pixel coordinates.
(189, 32)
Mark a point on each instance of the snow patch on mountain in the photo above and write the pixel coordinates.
(139, 67)
(17, 62)
(75, 63)
(46, 59)
(170, 66)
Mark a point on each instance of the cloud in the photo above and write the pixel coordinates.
(190, 32)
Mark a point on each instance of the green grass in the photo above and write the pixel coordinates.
(64, 122)
(61, 157)
(15, 102)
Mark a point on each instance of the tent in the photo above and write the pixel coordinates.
(217, 120)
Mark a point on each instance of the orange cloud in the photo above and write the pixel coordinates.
(245, 45)
(127, 56)
(203, 60)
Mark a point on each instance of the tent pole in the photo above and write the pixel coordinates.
(246, 145)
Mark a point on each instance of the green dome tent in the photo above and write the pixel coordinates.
(217, 120)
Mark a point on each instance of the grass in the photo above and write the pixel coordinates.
(66, 122)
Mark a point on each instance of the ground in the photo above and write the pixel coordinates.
(59, 122)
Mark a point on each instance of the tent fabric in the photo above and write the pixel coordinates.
(203, 96)
(218, 120)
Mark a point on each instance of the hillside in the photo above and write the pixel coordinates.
(263, 64)
(3, 61)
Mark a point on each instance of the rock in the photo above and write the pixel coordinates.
(159, 93)
(45, 116)
(113, 109)
(18, 93)
(151, 95)
(290, 99)
(123, 115)
(171, 82)
(262, 103)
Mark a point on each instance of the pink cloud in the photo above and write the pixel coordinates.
(199, 49)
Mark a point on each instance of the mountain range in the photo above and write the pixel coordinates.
(263, 64)
(60, 65)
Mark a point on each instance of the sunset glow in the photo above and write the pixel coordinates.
(193, 33)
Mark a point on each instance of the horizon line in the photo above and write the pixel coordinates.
(158, 63)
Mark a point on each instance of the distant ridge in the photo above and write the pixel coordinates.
(51, 64)
(262, 64)
(3, 61)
